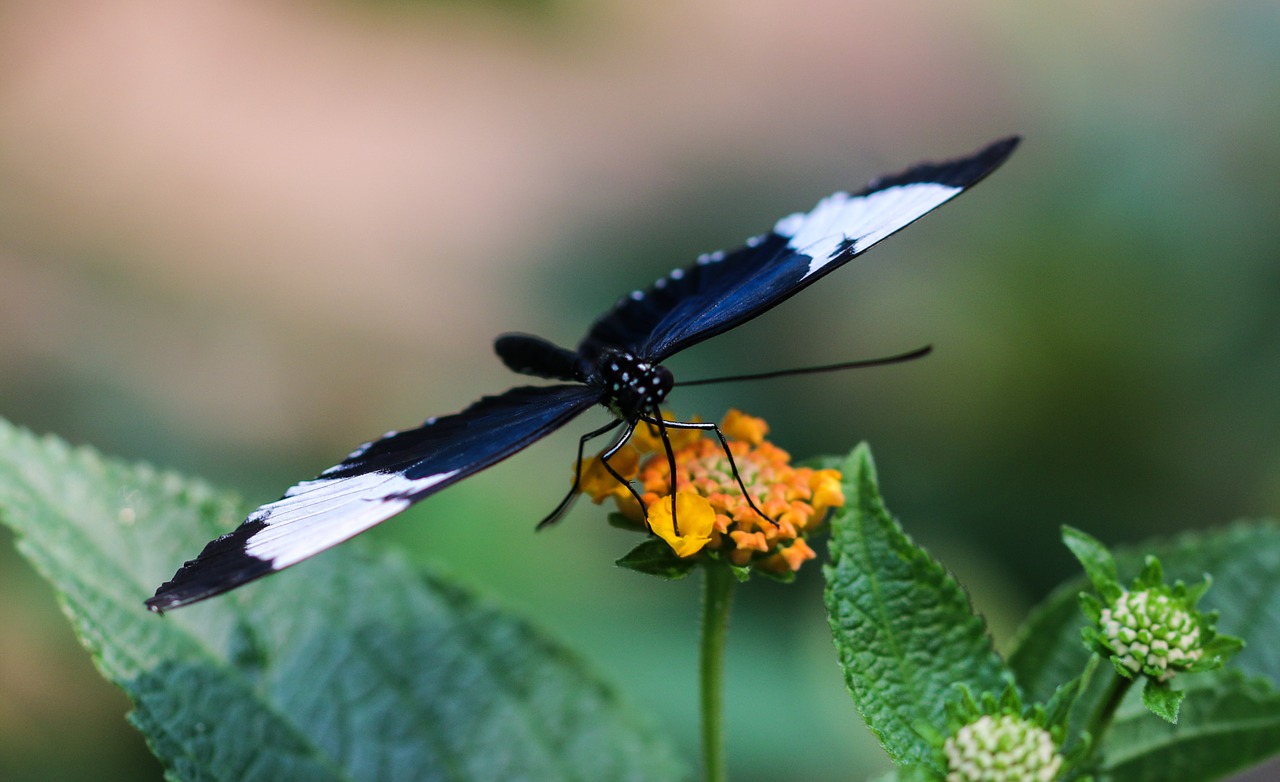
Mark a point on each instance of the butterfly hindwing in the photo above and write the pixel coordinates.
(723, 290)
(377, 481)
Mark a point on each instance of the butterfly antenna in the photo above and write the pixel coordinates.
(870, 362)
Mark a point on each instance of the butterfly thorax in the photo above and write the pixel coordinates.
(631, 385)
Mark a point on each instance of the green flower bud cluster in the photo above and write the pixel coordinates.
(1004, 748)
(1148, 629)
(1151, 631)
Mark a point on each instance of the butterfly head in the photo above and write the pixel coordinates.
(631, 385)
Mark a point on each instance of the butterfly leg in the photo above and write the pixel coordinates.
(554, 515)
(724, 444)
(604, 459)
(671, 461)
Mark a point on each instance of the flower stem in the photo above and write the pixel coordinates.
(717, 597)
(1101, 719)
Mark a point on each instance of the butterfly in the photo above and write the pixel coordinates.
(618, 364)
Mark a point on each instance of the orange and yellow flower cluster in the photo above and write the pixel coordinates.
(710, 510)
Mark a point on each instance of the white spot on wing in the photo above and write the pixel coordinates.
(790, 225)
(316, 515)
(862, 220)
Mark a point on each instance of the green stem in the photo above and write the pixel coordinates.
(1101, 719)
(717, 597)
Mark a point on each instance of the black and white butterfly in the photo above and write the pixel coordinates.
(617, 364)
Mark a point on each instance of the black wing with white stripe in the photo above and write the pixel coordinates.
(377, 481)
(720, 291)
(723, 290)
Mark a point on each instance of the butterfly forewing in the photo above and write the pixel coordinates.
(375, 482)
(723, 290)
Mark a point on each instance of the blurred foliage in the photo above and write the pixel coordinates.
(373, 670)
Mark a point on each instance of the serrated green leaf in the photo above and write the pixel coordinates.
(904, 630)
(351, 667)
(655, 558)
(1162, 700)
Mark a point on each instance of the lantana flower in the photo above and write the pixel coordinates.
(994, 739)
(1154, 631)
(994, 749)
(1149, 629)
(713, 517)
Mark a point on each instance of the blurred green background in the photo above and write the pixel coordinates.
(238, 238)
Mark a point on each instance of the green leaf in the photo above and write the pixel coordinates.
(827, 462)
(1220, 649)
(1243, 560)
(783, 577)
(1152, 574)
(1226, 723)
(914, 773)
(1096, 560)
(655, 558)
(1162, 700)
(619, 521)
(1047, 649)
(904, 630)
(1063, 701)
(353, 666)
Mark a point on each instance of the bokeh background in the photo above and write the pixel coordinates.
(238, 238)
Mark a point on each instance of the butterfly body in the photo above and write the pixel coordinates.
(618, 364)
(628, 385)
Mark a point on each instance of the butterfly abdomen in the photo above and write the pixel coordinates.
(530, 355)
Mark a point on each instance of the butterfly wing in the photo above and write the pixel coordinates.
(377, 481)
(723, 290)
